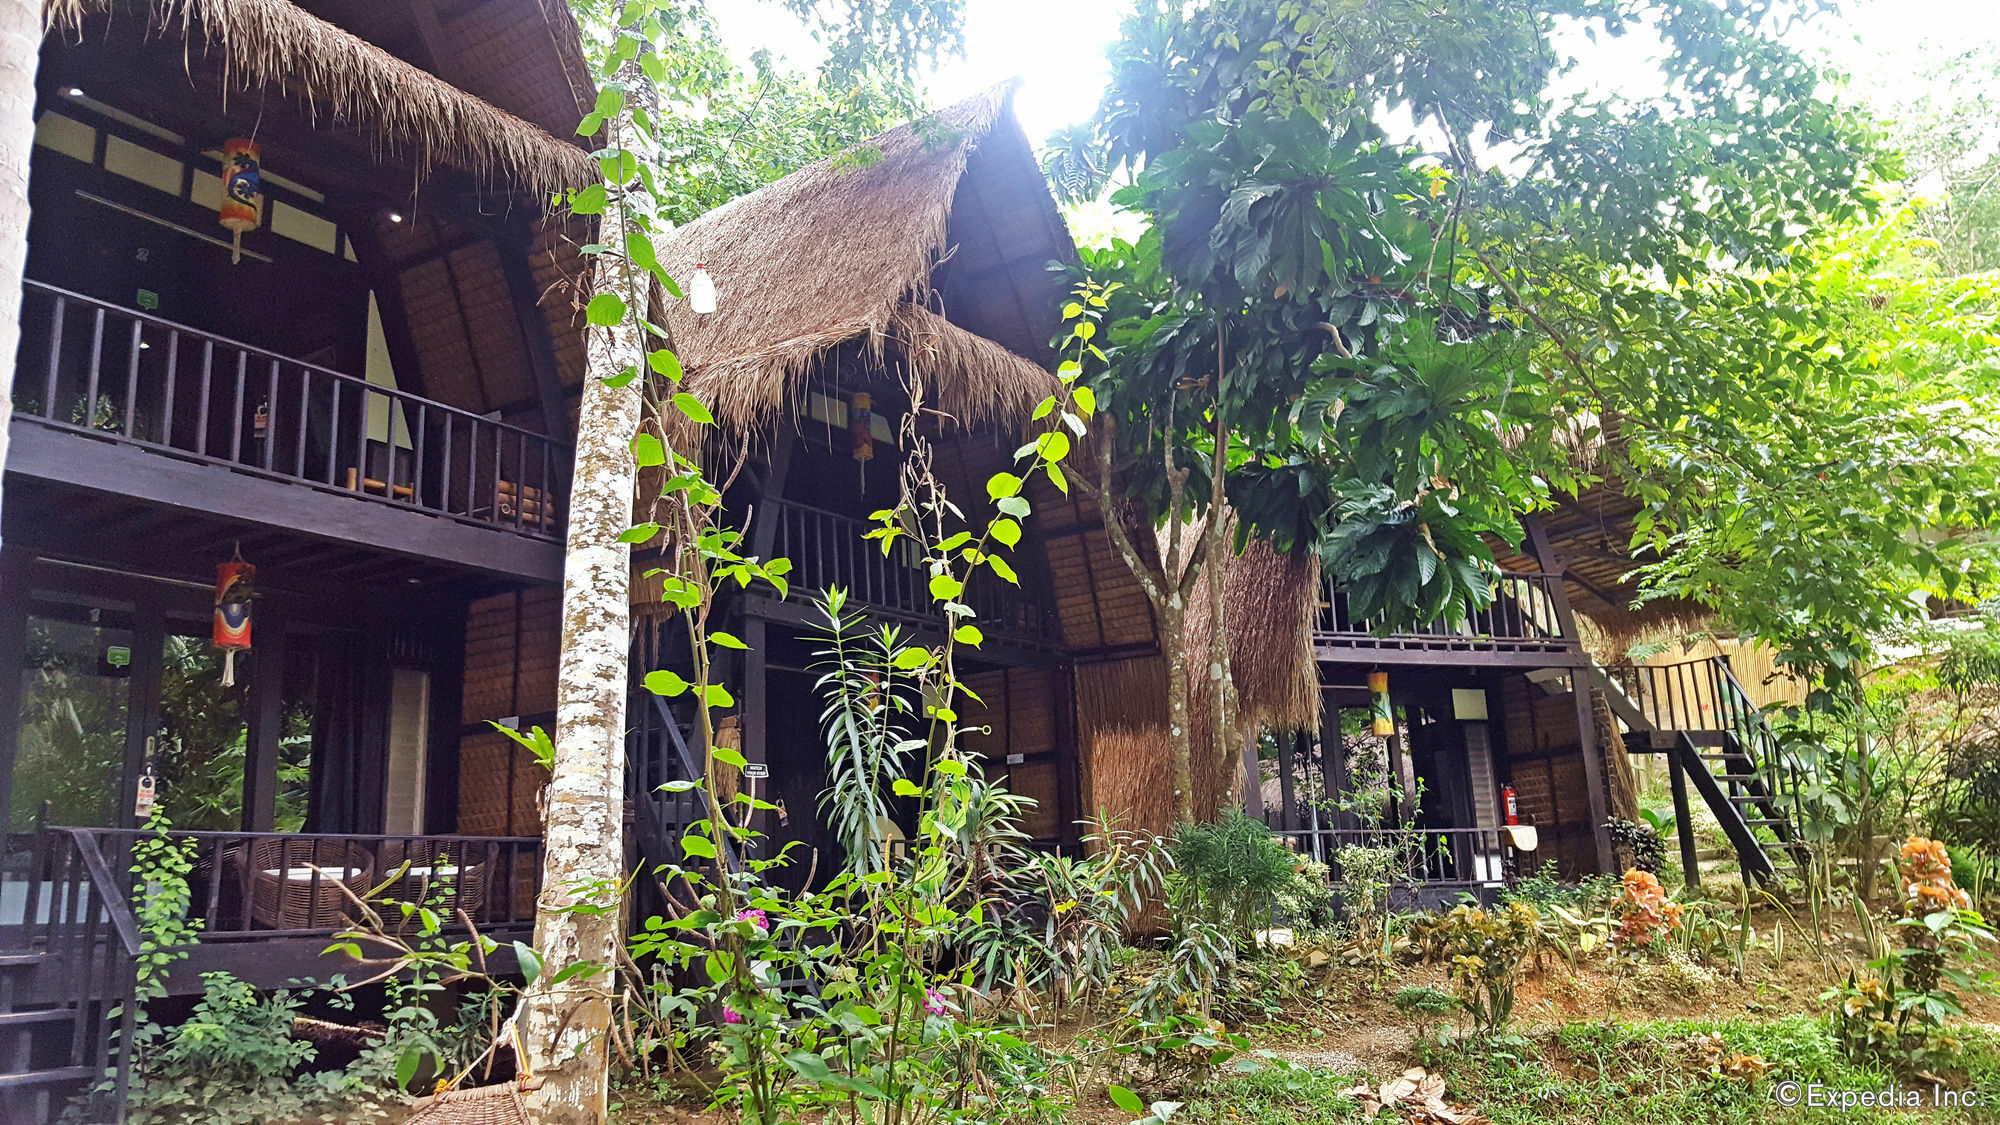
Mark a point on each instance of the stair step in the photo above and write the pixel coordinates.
(51, 1077)
(21, 958)
(37, 1016)
(1765, 821)
(1722, 757)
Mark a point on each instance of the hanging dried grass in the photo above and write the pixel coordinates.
(344, 80)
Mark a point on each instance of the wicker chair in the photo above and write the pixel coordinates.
(295, 884)
(445, 875)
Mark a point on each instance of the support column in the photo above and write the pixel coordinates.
(752, 707)
(267, 720)
(1683, 818)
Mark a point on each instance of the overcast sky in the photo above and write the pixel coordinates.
(1057, 46)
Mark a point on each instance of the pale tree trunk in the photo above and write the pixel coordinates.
(20, 49)
(1228, 764)
(567, 1026)
(1167, 588)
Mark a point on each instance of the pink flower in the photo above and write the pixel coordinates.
(731, 1015)
(934, 1002)
(756, 917)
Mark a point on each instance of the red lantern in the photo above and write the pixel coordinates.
(234, 582)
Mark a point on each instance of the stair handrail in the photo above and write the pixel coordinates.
(108, 891)
(692, 771)
(1760, 744)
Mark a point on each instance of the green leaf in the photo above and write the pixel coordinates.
(694, 845)
(1126, 1100)
(605, 310)
(1055, 472)
(1005, 532)
(622, 379)
(1016, 506)
(665, 682)
(726, 640)
(726, 755)
(639, 533)
(1053, 446)
(945, 588)
(1001, 568)
(1003, 485)
(647, 451)
(406, 1065)
(968, 635)
(1085, 401)
(591, 200)
(911, 658)
(904, 787)
(530, 962)
(639, 248)
(718, 696)
(665, 362)
(692, 407)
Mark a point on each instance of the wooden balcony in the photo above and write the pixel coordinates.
(126, 403)
(1527, 623)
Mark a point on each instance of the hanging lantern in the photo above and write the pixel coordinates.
(701, 290)
(234, 582)
(242, 191)
(861, 426)
(1385, 719)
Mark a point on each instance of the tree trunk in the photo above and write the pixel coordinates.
(1180, 733)
(566, 1026)
(20, 50)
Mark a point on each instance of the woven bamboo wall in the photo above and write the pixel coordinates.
(1122, 725)
(511, 646)
(1021, 711)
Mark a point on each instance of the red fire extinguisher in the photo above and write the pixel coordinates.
(1513, 810)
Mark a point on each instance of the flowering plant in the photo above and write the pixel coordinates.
(1898, 1012)
(1645, 914)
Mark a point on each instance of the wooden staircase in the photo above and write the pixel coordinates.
(67, 943)
(1718, 741)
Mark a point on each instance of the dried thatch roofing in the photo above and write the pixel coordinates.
(352, 82)
(854, 249)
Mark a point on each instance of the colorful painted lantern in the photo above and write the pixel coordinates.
(1385, 719)
(234, 582)
(242, 190)
(861, 426)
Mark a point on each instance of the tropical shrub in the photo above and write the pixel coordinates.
(1898, 1011)
(1645, 915)
(1233, 871)
(1486, 950)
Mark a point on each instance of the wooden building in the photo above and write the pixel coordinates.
(1512, 699)
(365, 389)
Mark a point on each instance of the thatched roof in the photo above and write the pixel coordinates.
(345, 80)
(853, 249)
(1269, 599)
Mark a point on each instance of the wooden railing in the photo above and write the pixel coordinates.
(74, 907)
(254, 885)
(127, 376)
(1523, 615)
(828, 549)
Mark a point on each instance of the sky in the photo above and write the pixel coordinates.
(1057, 48)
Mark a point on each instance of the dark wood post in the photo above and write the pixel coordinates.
(267, 720)
(13, 653)
(1683, 819)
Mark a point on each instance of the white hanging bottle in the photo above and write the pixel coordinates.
(701, 290)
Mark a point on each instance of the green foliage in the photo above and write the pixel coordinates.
(1899, 1013)
(716, 129)
(1275, 1095)
(232, 1062)
(1234, 870)
(1486, 949)
(1545, 889)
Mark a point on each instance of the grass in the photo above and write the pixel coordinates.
(1604, 1073)
(1275, 1096)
